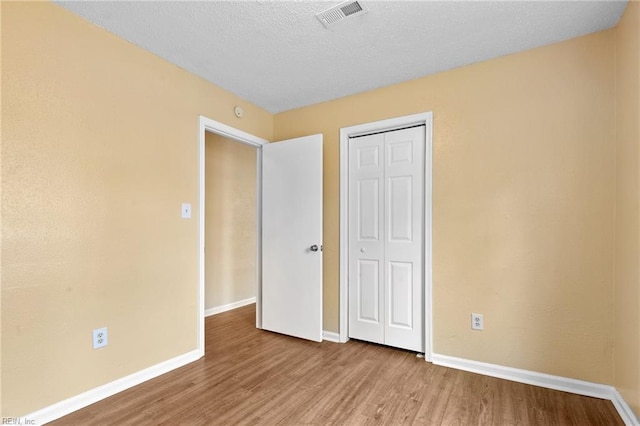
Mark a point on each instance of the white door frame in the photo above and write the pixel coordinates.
(208, 125)
(379, 126)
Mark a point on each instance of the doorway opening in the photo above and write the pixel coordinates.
(209, 129)
(230, 224)
(346, 254)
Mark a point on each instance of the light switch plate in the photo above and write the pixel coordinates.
(186, 210)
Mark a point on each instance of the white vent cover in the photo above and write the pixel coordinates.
(340, 12)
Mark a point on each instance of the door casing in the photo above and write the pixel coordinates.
(208, 125)
(379, 126)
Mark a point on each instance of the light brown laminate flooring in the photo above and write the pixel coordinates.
(254, 377)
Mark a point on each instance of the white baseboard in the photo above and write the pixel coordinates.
(330, 336)
(627, 414)
(549, 381)
(77, 402)
(525, 376)
(229, 306)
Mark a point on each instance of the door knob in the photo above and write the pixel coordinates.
(362, 250)
(313, 248)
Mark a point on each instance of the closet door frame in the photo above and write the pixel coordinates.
(425, 119)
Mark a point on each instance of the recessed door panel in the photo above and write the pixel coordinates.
(368, 157)
(400, 283)
(368, 291)
(400, 152)
(400, 212)
(368, 215)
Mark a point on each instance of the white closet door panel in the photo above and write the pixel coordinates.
(404, 181)
(366, 254)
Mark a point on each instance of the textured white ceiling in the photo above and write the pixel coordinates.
(277, 55)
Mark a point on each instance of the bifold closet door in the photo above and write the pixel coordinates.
(386, 219)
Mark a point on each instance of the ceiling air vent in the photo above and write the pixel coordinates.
(340, 12)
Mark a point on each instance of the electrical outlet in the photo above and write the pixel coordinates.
(477, 322)
(100, 337)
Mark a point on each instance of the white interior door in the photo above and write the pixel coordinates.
(292, 237)
(386, 216)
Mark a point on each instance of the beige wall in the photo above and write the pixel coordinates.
(1, 126)
(99, 149)
(627, 265)
(230, 221)
(523, 203)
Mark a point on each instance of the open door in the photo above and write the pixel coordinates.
(292, 237)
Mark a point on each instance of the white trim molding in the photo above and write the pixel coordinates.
(625, 411)
(330, 336)
(426, 119)
(549, 381)
(229, 307)
(87, 398)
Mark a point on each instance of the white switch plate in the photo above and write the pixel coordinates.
(100, 337)
(186, 211)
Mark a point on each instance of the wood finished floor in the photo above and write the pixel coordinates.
(253, 377)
